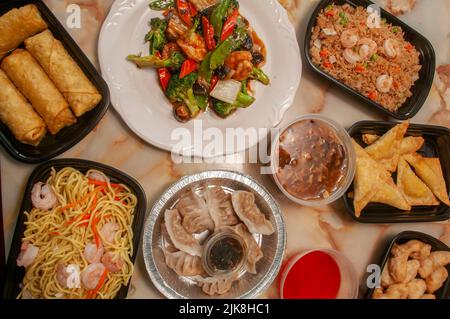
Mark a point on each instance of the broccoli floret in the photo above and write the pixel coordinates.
(156, 36)
(180, 90)
(225, 109)
(174, 61)
(258, 74)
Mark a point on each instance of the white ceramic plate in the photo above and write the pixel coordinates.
(137, 97)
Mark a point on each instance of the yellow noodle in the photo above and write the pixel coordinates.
(61, 236)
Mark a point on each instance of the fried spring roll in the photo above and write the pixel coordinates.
(64, 72)
(18, 24)
(20, 117)
(34, 84)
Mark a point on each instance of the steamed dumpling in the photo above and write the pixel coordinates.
(196, 218)
(214, 285)
(254, 252)
(220, 207)
(245, 207)
(179, 261)
(180, 237)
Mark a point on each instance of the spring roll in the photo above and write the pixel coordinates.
(20, 117)
(64, 72)
(26, 73)
(18, 24)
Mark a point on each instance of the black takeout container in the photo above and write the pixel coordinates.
(436, 245)
(437, 141)
(421, 87)
(53, 145)
(14, 274)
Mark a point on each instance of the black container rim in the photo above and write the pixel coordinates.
(412, 110)
(92, 118)
(409, 235)
(79, 164)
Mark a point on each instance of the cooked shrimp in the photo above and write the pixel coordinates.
(241, 63)
(90, 276)
(391, 48)
(68, 277)
(109, 231)
(97, 176)
(384, 83)
(92, 253)
(349, 38)
(367, 48)
(168, 49)
(28, 253)
(193, 46)
(43, 197)
(351, 56)
(112, 262)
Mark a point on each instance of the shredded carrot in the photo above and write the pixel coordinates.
(327, 64)
(91, 293)
(85, 198)
(95, 232)
(99, 183)
(409, 46)
(55, 233)
(359, 69)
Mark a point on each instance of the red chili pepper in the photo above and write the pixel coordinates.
(208, 33)
(187, 68)
(214, 81)
(229, 25)
(193, 9)
(164, 78)
(184, 11)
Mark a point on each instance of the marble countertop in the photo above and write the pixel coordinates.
(112, 143)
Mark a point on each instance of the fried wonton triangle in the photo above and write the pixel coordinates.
(386, 150)
(368, 177)
(430, 171)
(388, 193)
(413, 189)
(410, 144)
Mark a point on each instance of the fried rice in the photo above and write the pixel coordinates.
(385, 73)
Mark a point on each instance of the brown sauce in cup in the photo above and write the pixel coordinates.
(312, 160)
(226, 254)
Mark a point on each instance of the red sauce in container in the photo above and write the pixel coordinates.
(316, 275)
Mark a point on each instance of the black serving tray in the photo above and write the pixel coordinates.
(437, 141)
(53, 145)
(14, 274)
(436, 245)
(421, 87)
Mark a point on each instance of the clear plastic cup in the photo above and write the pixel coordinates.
(349, 284)
(350, 157)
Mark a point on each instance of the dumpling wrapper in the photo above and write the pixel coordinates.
(430, 171)
(389, 194)
(196, 217)
(214, 285)
(368, 177)
(413, 189)
(245, 207)
(179, 261)
(254, 252)
(386, 150)
(180, 238)
(60, 67)
(220, 207)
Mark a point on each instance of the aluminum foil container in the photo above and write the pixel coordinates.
(249, 285)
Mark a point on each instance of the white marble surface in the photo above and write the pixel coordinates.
(114, 144)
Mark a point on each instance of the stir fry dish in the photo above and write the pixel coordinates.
(206, 55)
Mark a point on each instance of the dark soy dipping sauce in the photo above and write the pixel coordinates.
(226, 254)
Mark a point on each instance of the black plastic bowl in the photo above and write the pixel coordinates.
(421, 87)
(14, 274)
(53, 145)
(436, 245)
(437, 141)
